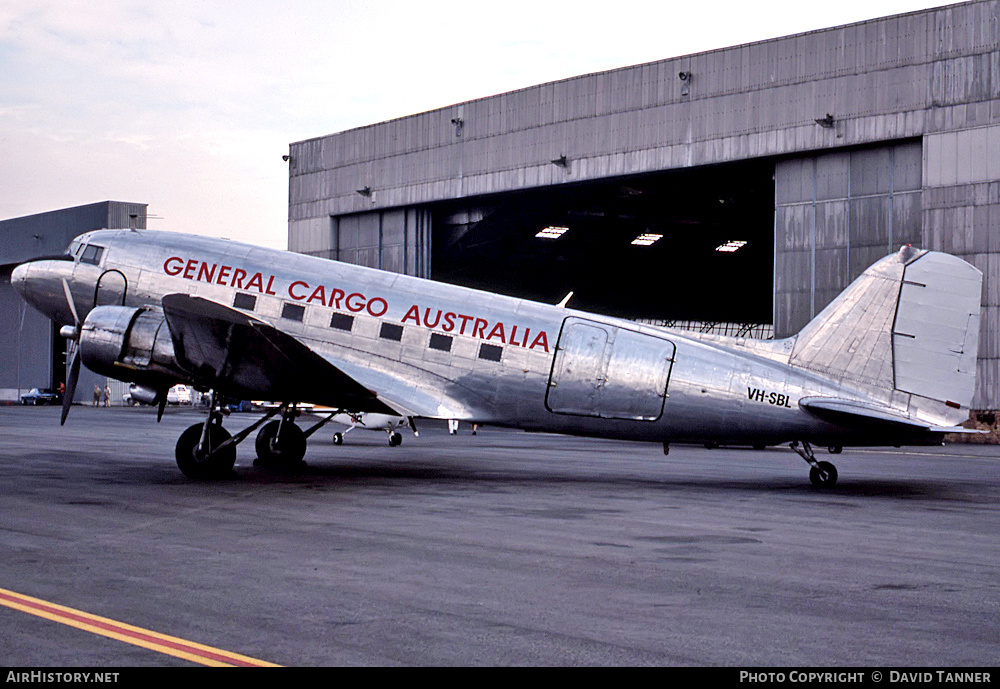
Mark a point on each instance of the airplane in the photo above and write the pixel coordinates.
(373, 422)
(891, 361)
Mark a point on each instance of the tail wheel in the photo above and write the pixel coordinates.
(286, 450)
(823, 475)
(200, 463)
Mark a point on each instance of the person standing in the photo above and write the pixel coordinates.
(107, 395)
(97, 395)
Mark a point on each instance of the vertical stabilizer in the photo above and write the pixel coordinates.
(910, 323)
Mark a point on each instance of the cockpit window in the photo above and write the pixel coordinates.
(92, 254)
(74, 248)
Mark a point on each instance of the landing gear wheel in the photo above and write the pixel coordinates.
(835, 449)
(202, 465)
(823, 475)
(338, 438)
(286, 451)
(395, 439)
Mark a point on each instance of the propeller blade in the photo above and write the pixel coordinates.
(74, 375)
(72, 305)
(160, 406)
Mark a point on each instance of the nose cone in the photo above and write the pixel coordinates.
(19, 279)
(40, 283)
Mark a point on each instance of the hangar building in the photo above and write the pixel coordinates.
(32, 353)
(821, 151)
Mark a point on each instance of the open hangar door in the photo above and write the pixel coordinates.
(694, 244)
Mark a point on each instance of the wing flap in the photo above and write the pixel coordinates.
(229, 351)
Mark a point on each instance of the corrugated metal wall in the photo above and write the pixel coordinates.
(885, 79)
(961, 215)
(835, 214)
(910, 154)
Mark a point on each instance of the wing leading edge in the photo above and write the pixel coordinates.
(227, 350)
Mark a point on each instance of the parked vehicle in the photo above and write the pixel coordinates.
(179, 394)
(36, 397)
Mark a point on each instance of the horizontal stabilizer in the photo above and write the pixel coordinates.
(861, 415)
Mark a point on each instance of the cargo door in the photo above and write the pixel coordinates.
(578, 368)
(609, 372)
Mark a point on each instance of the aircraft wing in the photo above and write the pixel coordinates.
(866, 416)
(229, 351)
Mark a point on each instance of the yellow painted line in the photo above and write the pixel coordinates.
(169, 645)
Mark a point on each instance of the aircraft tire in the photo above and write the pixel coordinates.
(338, 438)
(395, 439)
(823, 475)
(194, 464)
(286, 452)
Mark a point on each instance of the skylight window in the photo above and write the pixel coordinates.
(730, 247)
(646, 239)
(552, 232)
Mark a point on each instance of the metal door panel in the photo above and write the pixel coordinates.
(578, 368)
(637, 376)
(610, 372)
(111, 288)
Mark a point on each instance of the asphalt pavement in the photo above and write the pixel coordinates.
(503, 548)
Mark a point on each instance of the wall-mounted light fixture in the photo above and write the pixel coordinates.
(561, 161)
(826, 122)
(685, 78)
(286, 158)
(364, 191)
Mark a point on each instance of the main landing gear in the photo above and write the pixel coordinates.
(822, 474)
(207, 451)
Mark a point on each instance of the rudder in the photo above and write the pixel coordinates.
(909, 323)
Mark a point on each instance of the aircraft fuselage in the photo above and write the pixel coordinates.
(465, 353)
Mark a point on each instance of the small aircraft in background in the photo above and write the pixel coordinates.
(891, 361)
(373, 422)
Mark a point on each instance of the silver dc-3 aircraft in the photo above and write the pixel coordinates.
(891, 361)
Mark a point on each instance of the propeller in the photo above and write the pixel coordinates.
(71, 333)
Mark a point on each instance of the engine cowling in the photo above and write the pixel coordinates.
(130, 344)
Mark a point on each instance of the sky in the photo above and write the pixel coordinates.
(188, 105)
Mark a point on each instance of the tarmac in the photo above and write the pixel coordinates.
(499, 549)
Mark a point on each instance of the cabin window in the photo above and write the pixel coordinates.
(490, 352)
(440, 342)
(342, 321)
(246, 302)
(391, 331)
(92, 254)
(293, 312)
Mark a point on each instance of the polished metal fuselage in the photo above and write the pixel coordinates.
(438, 350)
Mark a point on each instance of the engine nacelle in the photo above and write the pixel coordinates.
(130, 344)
